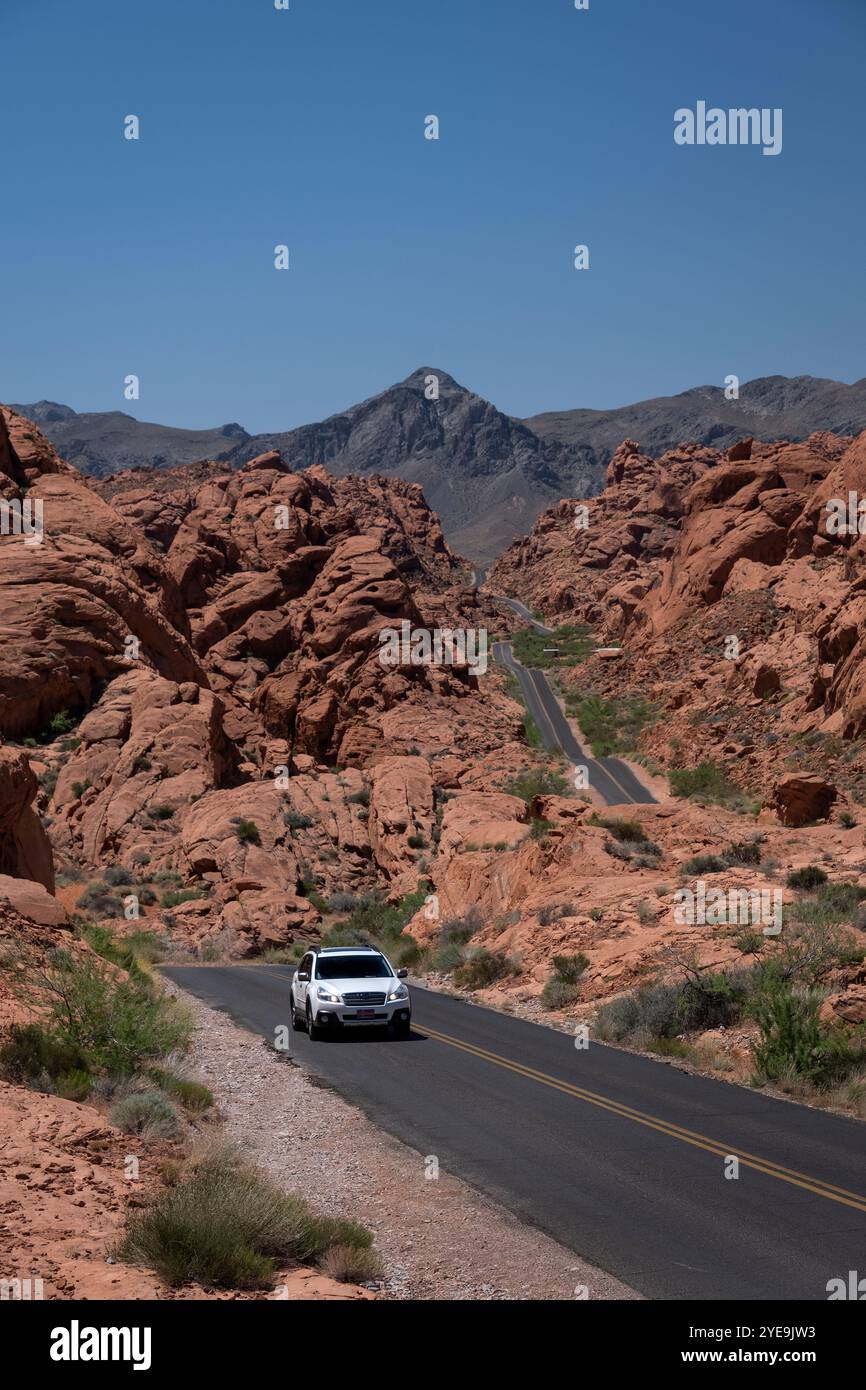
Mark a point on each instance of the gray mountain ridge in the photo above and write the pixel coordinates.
(486, 473)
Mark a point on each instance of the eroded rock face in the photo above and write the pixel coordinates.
(207, 643)
(25, 850)
(74, 603)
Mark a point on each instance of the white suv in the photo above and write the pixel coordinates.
(349, 986)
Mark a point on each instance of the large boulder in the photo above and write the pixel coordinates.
(800, 799)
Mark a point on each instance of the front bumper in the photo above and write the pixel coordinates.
(360, 1016)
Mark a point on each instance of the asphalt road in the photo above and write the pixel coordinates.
(618, 1157)
(610, 777)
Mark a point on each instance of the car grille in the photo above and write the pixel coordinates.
(364, 998)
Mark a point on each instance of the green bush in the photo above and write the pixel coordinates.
(700, 1001)
(226, 1226)
(811, 876)
(148, 1113)
(97, 899)
(554, 912)
(247, 832)
(115, 1024)
(295, 820)
(351, 1264)
(567, 970)
(612, 726)
(558, 995)
(793, 1040)
(708, 785)
(161, 812)
(744, 852)
(705, 864)
(629, 832)
(573, 641)
(74, 1085)
(542, 781)
(483, 968)
(61, 723)
(192, 1095)
(29, 1053)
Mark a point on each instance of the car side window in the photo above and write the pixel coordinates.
(306, 964)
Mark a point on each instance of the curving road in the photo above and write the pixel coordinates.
(610, 777)
(623, 1159)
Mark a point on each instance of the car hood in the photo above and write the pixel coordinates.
(368, 984)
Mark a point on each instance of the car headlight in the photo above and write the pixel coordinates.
(328, 996)
(399, 992)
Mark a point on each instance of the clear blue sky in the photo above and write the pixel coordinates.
(262, 127)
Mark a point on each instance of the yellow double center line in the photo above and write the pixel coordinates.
(685, 1136)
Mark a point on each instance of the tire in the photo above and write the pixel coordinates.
(297, 1023)
(315, 1033)
(403, 1029)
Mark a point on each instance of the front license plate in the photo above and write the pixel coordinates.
(366, 1013)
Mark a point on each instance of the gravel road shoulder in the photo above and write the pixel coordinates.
(439, 1238)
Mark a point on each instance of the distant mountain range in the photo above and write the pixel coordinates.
(487, 474)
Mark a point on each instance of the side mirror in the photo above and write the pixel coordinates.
(401, 974)
(303, 975)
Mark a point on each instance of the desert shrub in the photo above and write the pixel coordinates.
(48, 780)
(616, 850)
(846, 820)
(612, 726)
(700, 1001)
(29, 1053)
(118, 876)
(416, 842)
(141, 763)
(567, 970)
(483, 968)
(558, 995)
(794, 1040)
(192, 1095)
(629, 832)
(448, 955)
(553, 912)
(460, 929)
(707, 784)
(540, 827)
(296, 820)
(226, 1226)
(161, 812)
(61, 723)
(351, 1264)
(181, 895)
(113, 1024)
(810, 876)
(344, 902)
(704, 864)
(360, 798)
(148, 1113)
(405, 951)
(541, 781)
(744, 852)
(247, 831)
(74, 1085)
(79, 788)
(98, 899)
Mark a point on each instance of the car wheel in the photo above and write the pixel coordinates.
(403, 1028)
(314, 1032)
(297, 1023)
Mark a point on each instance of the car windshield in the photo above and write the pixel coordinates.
(351, 967)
